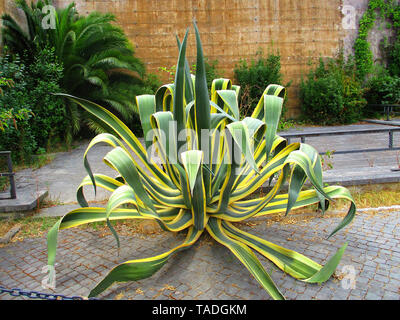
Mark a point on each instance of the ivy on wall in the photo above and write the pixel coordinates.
(389, 10)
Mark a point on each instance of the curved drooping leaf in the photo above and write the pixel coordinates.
(133, 270)
(119, 159)
(102, 181)
(246, 256)
(291, 262)
(230, 99)
(119, 128)
(83, 216)
(147, 106)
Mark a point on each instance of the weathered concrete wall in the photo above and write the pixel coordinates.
(353, 12)
(231, 30)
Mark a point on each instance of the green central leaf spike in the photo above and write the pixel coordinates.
(179, 89)
(188, 78)
(191, 161)
(207, 180)
(202, 101)
(202, 111)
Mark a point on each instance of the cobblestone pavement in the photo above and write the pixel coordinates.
(209, 270)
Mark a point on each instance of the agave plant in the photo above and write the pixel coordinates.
(203, 179)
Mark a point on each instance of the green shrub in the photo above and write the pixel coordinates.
(98, 60)
(31, 116)
(393, 58)
(151, 83)
(49, 122)
(16, 134)
(381, 89)
(212, 71)
(254, 78)
(331, 94)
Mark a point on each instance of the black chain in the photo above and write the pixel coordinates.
(16, 292)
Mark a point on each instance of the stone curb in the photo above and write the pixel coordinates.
(10, 234)
(26, 200)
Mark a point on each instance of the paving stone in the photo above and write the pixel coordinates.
(381, 278)
(392, 287)
(388, 295)
(395, 276)
(373, 296)
(226, 279)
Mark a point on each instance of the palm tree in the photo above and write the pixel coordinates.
(98, 60)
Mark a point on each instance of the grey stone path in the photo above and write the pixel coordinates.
(64, 174)
(210, 271)
(391, 122)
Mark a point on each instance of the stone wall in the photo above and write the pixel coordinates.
(231, 30)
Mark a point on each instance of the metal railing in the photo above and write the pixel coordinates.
(387, 108)
(318, 133)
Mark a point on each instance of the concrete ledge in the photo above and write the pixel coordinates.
(57, 211)
(27, 199)
(61, 210)
(353, 177)
(361, 176)
(394, 122)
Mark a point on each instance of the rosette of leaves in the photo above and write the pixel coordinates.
(205, 177)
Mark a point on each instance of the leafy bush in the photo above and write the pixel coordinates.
(381, 89)
(393, 58)
(97, 57)
(254, 78)
(32, 117)
(49, 123)
(210, 166)
(212, 71)
(16, 134)
(332, 94)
